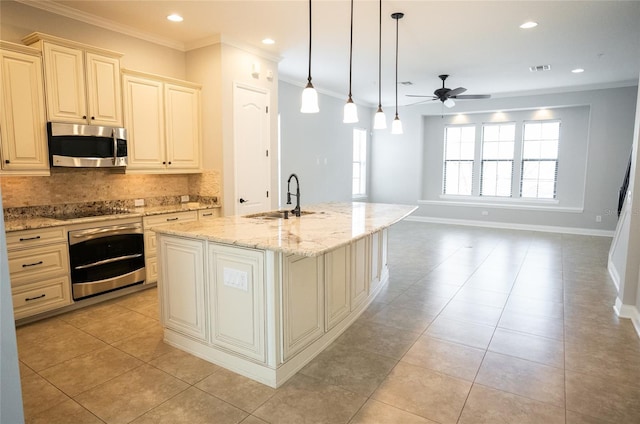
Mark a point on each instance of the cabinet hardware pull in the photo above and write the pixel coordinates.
(93, 118)
(169, 162)
(27, 299)
(29, 238)
(108, 261)
(173, 219)
(33, 264)
(207, 214)
(7, 161)
(84, 116)
(164, 162)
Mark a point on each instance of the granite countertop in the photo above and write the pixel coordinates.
(35, 222)
(332, 225)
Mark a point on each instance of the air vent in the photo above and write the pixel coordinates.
(540, 68)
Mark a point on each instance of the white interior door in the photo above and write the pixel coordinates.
(251, 149)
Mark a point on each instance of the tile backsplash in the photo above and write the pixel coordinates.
(96, 185)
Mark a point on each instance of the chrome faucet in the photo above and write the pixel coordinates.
(296, 210)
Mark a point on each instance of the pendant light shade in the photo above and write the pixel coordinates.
(350, 112)
(350, 108)
(309, 94)
(379, 120)
(396, 125)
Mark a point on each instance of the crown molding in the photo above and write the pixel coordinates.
(233, 42)
(94, 20)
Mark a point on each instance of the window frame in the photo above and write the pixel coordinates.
(497, 160)
(539, 160)
(459, 162)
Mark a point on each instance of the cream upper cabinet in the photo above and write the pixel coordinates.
(182, 106)
(82, 82)
(162, 117)
(23, 135)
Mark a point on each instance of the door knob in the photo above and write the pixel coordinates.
(242, 200)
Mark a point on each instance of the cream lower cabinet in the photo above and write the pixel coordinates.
(237, 300)
(150, 247)
(183, 277)
(39, 270)
(267, 313)
(23, 133)
(337, 272)
(302, 302)
(359, 272)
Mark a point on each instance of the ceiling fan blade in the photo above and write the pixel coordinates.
(419, 95)
(421, 102)
(455, 91)
(472, 96)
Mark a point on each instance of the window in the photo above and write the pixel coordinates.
(498, 142)
(459, 151)
(359, 186)
(540, 159)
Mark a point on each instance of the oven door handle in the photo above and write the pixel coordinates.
(114, 230)
(108, 261)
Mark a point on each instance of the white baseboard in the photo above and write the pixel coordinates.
(628, 311)
(613, 273)
(512, 226)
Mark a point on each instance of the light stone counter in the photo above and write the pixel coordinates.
(332, 225)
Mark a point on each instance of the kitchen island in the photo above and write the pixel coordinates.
(262, 295)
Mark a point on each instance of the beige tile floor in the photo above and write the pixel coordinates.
(475, 326)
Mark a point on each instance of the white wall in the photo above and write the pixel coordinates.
(318, 147)
(406, 170)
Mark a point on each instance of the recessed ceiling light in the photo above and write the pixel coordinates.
(529, 25)
(175, 18)
(268, 41)
(577, 70)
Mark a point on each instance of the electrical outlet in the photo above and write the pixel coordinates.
(184, 199)
(138, 202)
(598, 218)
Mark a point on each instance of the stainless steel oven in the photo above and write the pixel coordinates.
(106, 258)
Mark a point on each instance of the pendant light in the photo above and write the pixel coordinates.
(396, 125)
(350, 109)
(379, 120)
(309, 94)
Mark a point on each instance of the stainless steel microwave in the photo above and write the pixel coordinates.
(86, 146)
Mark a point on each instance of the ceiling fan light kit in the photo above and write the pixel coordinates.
(350, 108)
(396, 125)
(309, 94)
(446, 95)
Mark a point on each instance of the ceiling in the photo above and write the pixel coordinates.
(479, 43)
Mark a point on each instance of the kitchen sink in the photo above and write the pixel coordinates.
(277, 214)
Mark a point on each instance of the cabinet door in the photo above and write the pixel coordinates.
(64, 78)
(337, 283)
(303, 303)
(23, 134)
(359, 273)
(181, 279)
(237, 300)
(182, 113)
(375, 261)
(103, 90)
(144, 120)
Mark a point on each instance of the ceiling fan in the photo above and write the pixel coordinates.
(446, 95)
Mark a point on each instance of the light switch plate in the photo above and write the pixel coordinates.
(138, 202)
(184, 199)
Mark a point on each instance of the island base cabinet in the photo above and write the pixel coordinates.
(237, 300)
(359, 272)
(182, 282)
(338, 288)
(303, 302)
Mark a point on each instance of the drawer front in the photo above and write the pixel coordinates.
(151, 266)
(170, 218)
(40, 297)
(28, 238)
(204, 214)
(150, 241)
(31, 265)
